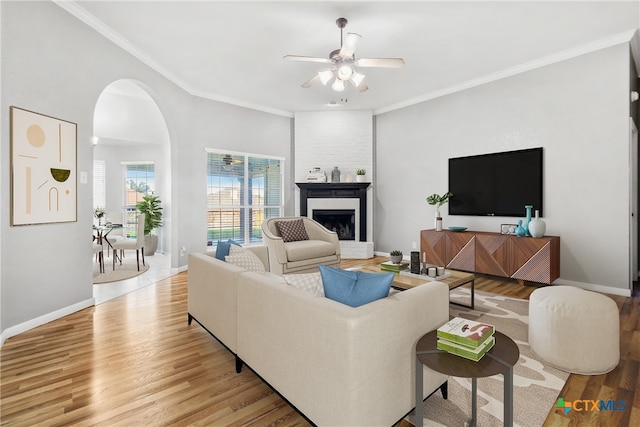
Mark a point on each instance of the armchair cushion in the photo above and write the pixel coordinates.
(355, 288)
(222, 248)
(308, 249)
(244, 258)
(292, 230)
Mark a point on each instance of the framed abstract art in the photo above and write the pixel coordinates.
(43, 169)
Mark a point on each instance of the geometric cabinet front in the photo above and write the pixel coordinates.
(522, 258)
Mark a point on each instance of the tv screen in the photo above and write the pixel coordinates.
(497, 184)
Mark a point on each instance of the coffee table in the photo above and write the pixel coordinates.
(454, 280)
(499, 360)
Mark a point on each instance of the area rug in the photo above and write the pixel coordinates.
(536, 386)
(127, 270)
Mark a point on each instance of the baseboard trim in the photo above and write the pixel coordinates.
(46, 318)
(595, 287)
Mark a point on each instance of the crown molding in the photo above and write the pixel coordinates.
(625, 37)
(74, 9)
(630, 37)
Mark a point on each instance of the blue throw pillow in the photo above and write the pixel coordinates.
(222, 248)
(354, 288)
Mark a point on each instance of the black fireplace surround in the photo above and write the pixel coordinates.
(346, 190)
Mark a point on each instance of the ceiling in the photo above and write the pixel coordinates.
(232, 51)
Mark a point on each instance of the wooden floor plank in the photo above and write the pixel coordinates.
(135, 361)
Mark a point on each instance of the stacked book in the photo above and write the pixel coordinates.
(466, 338)
(396, 268)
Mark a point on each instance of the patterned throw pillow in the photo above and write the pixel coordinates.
(310, 282)
(292, 230)
(244, 258)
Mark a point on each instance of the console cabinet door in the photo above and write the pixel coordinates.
(493, 254)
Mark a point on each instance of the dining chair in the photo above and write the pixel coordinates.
(131, 244)
(97, 250)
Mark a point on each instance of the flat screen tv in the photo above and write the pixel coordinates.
(497, 184)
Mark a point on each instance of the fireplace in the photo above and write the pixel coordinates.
(342, 221)
(348, 196)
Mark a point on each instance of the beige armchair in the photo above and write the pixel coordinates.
(303, 255)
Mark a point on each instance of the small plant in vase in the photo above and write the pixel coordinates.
(396, 256)
(99, 212)
(361, 175)
(437, 201)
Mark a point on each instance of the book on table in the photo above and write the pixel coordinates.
(390, 266)
(474, 354)
(468, 333)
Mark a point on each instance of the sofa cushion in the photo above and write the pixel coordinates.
(355, 288)
(222, 248)
(245, 259)
(309, 282)
(292, 230)
(308, 249)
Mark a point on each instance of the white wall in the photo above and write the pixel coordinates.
(577, 110)
(336, 138)
(54, 64)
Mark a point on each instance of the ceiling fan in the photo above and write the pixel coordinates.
(343, 63)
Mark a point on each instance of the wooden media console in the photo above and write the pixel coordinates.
(526, 259)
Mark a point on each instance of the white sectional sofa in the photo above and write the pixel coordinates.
(336, 364)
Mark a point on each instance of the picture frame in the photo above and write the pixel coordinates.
(508, 228)
(43, 168)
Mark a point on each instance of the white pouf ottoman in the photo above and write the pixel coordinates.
(574, 330)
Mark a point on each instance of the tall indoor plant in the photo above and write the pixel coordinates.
(150, 206)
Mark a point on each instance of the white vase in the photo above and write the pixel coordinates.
(361, 178)
(438, 220)
(537, 227)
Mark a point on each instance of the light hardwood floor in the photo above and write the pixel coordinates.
(134, 361)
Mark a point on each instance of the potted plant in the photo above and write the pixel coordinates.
(437, 201)
(361, 175)
(150, 207)
(99, 212)
(396, 256)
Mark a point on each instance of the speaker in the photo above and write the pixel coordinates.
(415, 262)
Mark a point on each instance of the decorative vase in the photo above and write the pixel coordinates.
(438, 220)
(537, 227)
(527, 220)
(335, 174)
(520, 231)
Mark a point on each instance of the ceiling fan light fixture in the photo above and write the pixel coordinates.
(325, 76)
(338, 85)
(345, 72)
(356, 78)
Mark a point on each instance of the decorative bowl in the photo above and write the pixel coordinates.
(457, 228)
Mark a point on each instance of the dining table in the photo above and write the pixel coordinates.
(102, 234)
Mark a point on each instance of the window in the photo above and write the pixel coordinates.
(242, 190)
(139, 180)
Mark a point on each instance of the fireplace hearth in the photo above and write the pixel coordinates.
(342, 221)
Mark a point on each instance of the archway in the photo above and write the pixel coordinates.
(133, 157)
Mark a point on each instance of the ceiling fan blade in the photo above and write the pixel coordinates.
(307, 59)
(349, 45)
(380, 62)
(311, 81)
